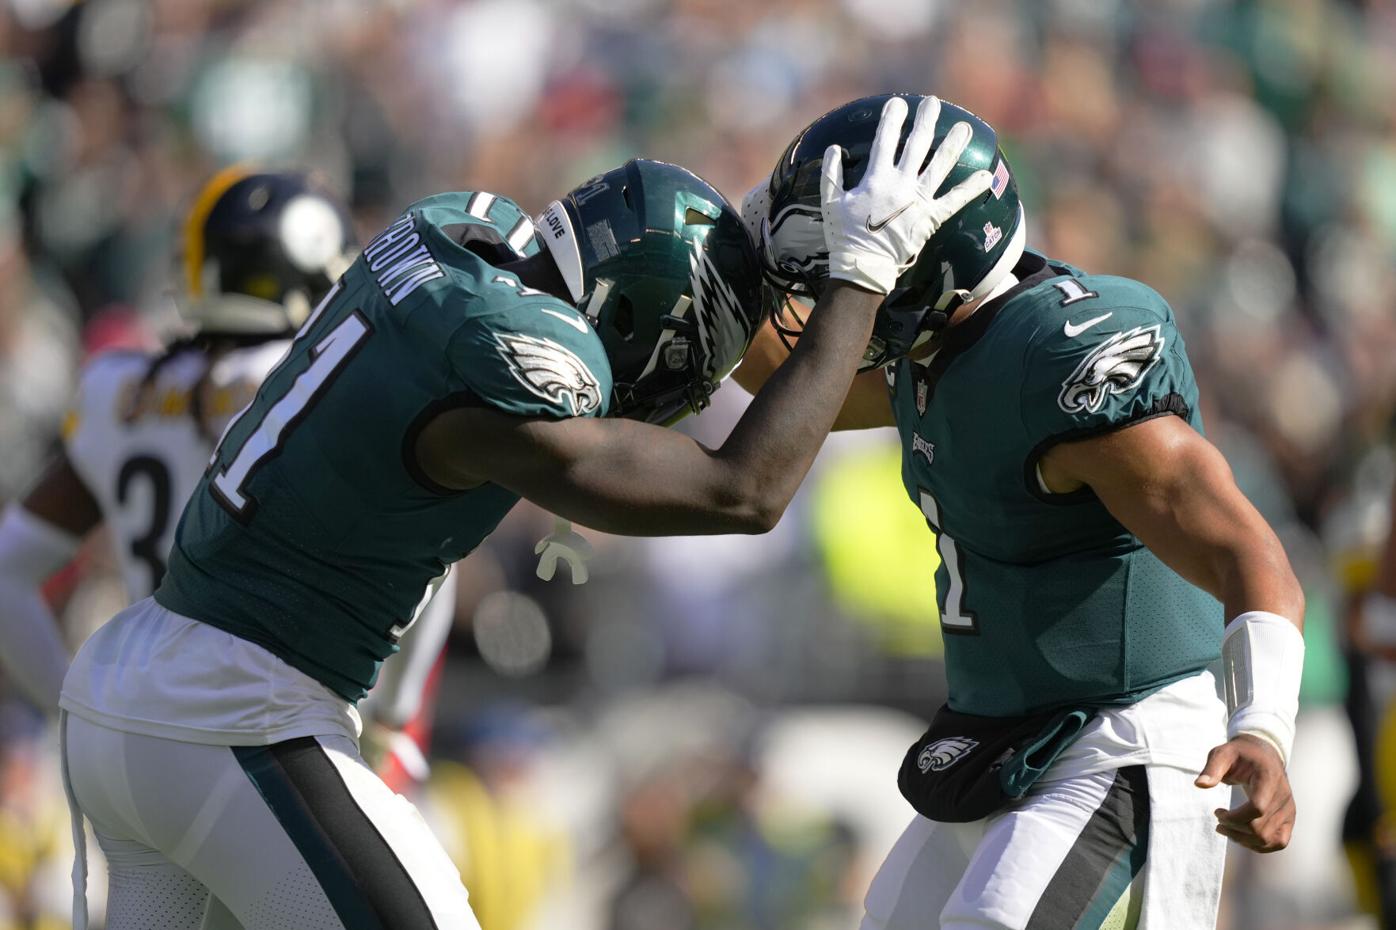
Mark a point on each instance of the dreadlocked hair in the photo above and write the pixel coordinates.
(212, 346)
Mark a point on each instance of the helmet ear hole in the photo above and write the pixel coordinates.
(258, 198)
(692, 217)
(625, 194)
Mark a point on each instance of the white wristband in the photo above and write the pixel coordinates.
(1262, 661)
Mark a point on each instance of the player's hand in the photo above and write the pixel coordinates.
(1265, 821)
(876, 230)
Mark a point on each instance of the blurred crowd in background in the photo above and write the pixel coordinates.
(705, 736)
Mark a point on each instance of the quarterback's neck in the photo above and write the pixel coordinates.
(926, 351)
(968, 309)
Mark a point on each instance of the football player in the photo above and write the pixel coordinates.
(258, 251)
(469, 357)
(1092, 543)
(137, 439)
(1369, 573)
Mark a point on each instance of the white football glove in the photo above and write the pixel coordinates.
(876, 230)
(566, 544)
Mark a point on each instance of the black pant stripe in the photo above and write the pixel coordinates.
(361, 875)
(1110, 852)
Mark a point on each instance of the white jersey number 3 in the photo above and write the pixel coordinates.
(327, 357)
(953, 617)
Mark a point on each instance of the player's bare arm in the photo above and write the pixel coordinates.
(765, 354)
(1172, 488)
(61, 499)
(866, 406)
(38, 536)
(622, 476)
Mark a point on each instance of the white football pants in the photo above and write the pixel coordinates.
(297, 834)
(1130, 849)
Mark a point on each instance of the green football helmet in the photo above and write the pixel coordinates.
(964, 260)
(659, 263)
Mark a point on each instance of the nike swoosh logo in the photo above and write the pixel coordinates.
(1073, 331)
(571, 321)
(875, 227)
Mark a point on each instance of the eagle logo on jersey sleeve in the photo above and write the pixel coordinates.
(1115, 366)
(551, 371)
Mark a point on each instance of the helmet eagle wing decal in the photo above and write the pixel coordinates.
(792, 245)
(551, 371)
(722, 328)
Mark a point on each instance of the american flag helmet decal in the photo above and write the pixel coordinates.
(999, 183)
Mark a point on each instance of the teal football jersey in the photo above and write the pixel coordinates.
(313, 533)
(1046, 599)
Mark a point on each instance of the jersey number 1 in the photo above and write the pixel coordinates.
(953, 617)
(327, 358)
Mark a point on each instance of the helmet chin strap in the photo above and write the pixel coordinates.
(940, 315)
(560, 238)
(999, 279)
(952, 302)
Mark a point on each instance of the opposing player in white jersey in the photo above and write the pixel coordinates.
(258, 251)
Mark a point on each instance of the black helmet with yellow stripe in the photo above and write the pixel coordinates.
(260, 250)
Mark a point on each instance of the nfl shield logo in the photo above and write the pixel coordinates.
(922, 396)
